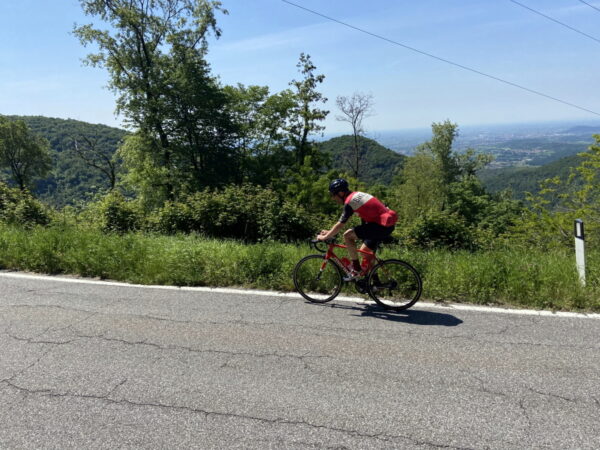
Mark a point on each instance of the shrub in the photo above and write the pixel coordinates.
(441, 230)
(113, 213)
(19, 207)
(247, 212)
(292, 222)
(172, 218)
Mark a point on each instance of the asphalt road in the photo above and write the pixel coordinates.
(99, 366)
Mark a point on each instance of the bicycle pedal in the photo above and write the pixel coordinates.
(361, 286)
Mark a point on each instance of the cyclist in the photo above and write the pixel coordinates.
(378, 222)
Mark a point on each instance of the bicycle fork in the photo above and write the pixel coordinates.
(322, 269)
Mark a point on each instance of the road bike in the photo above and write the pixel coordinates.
(392, 283)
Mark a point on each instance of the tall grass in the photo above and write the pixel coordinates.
(510, 276)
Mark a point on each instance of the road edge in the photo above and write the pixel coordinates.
(240, 291)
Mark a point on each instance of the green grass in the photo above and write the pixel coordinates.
(518, 277)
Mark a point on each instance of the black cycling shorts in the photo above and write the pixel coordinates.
(373, 233)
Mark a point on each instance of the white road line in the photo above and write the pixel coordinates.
(419, 305)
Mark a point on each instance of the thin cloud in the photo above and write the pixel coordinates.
(309, 33)
(331, 32)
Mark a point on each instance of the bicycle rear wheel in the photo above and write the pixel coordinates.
(395, 284)
(316, 279)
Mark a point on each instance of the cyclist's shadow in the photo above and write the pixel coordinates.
(412, 316)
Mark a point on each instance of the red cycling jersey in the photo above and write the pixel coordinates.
(369, 208)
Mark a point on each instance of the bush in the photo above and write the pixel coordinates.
(113, 213)
(173, 217)
(292, 222)
(247, 212)
(20, 208)
(441, 230)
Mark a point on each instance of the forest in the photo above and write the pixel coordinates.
(201, 162)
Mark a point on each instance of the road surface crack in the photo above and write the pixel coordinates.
(548, 394)
(487, 390)
(207, 413)
(24, 369)
(33, 340)
(328, 328)
(302, 357)
(527, 418)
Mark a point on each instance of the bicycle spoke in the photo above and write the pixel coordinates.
(316, 279)
(395, 284)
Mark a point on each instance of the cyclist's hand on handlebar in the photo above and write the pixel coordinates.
(323, 235)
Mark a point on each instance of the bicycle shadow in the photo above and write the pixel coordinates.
(411, 316)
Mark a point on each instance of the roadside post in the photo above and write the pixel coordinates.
(579, 250)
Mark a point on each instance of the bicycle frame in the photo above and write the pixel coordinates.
(330, 254)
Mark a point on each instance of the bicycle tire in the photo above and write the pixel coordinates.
(309, 281)
(395, 285)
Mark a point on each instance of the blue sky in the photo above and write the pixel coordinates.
(41, 71)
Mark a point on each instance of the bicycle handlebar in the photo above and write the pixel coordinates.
(315, 244)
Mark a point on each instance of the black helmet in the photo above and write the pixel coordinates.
(338, 185)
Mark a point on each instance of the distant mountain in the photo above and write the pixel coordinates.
(71, 179)
(584, 130)
(380, 163)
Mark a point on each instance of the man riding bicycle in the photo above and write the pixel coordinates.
(378, 222)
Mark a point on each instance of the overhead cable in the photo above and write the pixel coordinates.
(510, 83)
(590, 5)
(556, 21)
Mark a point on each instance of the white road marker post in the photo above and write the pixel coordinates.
(579, 250)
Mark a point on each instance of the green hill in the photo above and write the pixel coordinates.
(526, 179)
(380, 163)
(71, 179)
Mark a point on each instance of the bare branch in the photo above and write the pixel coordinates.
(96, 158)
(355, 109)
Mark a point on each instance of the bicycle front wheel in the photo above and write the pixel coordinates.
(316, 279)
(395, 284)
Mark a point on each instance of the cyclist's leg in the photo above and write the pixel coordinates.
(350, 238)
(369, 246)
(366, 232)
(367, 262)
(371, 234)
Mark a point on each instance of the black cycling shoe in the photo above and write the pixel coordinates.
(361, 285)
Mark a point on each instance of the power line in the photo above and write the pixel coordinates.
(510, 83)
(556, 21)
(590, 5)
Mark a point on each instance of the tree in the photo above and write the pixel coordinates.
(421, 187)
(454, 167)
(305, 116)
(24, 154)
(587, 197)
(551, 212)
(261, 137)
(98, 157)
(155, 53)
(440, 147)
(201, 128)
(354, 110)
(439, 180)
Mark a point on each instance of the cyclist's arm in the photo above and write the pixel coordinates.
(329, 234)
